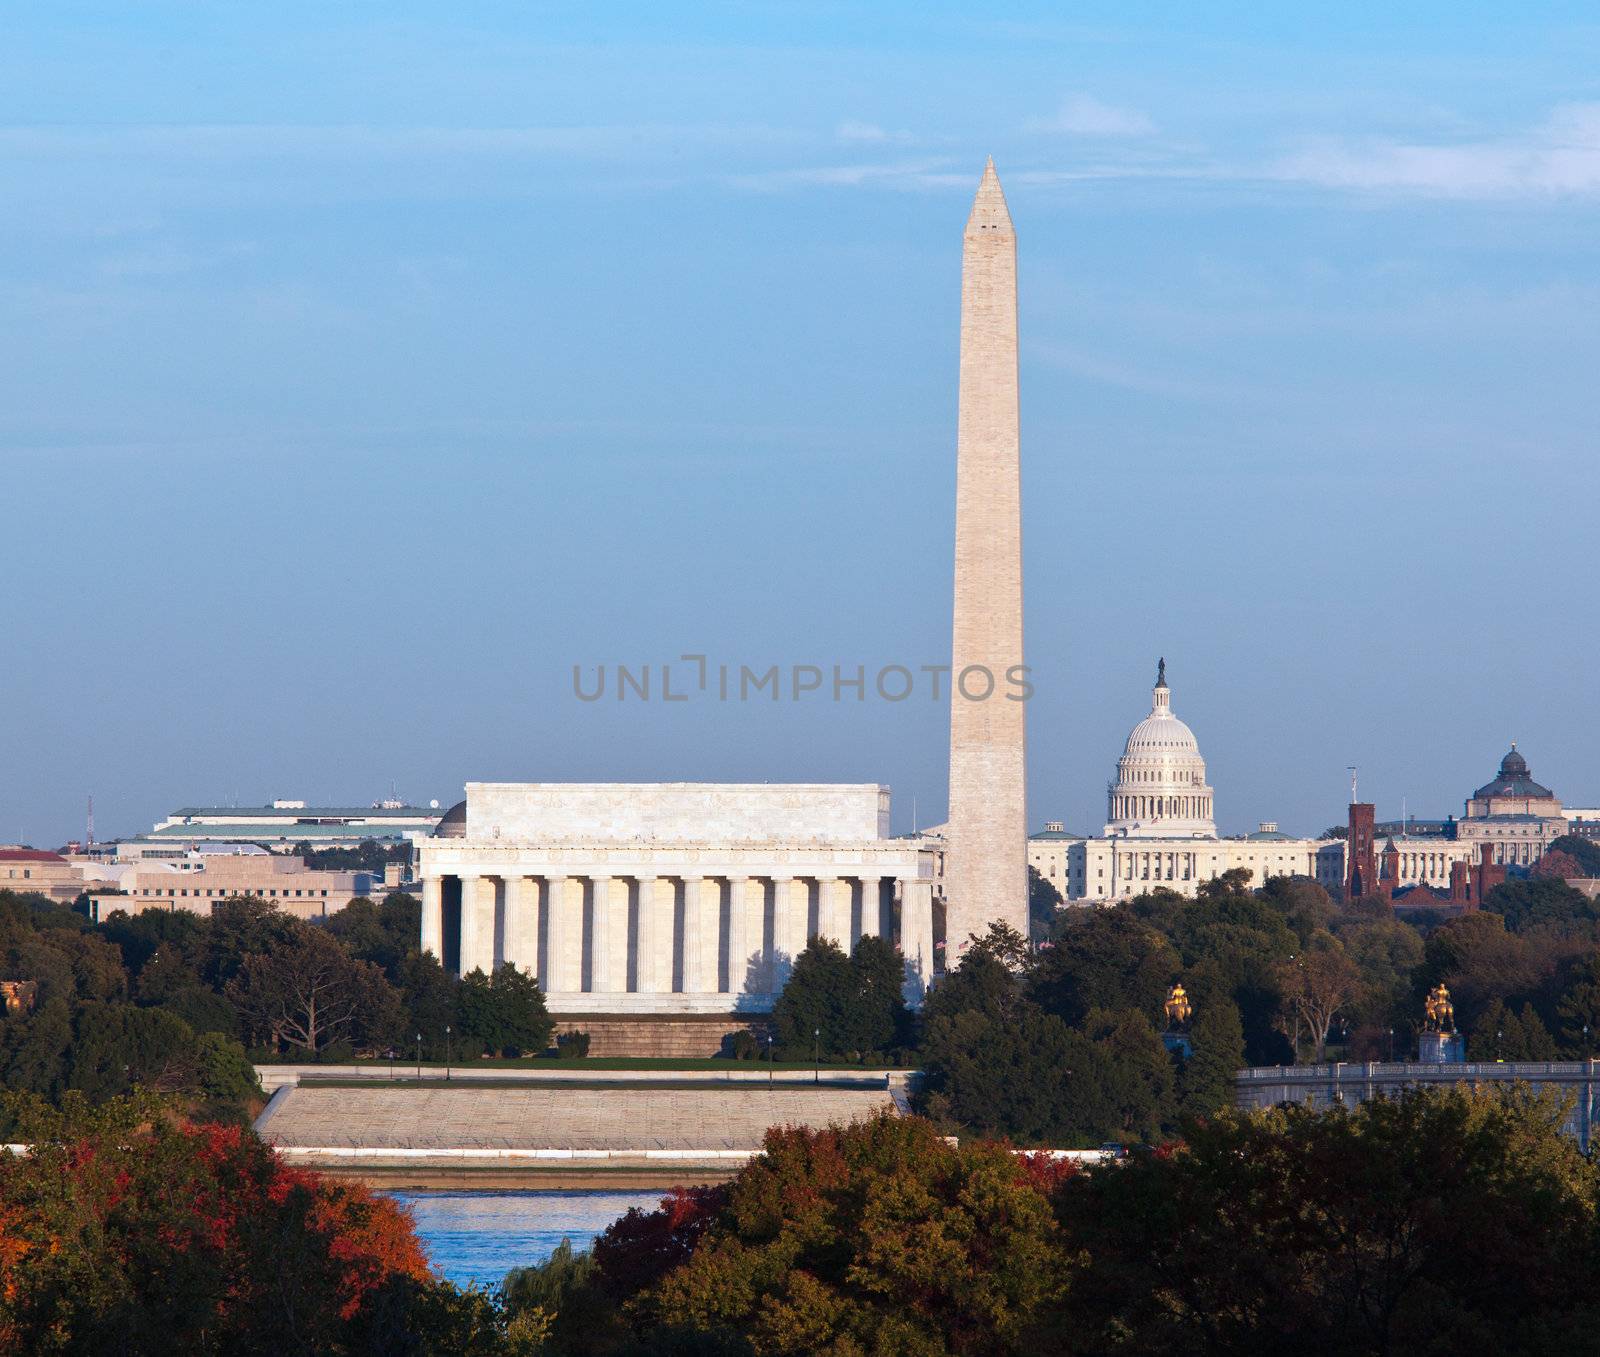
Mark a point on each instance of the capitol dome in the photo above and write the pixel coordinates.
(1161, 789)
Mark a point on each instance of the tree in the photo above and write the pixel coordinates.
(1480, 962)
(1027, 1076)
(429, 994)
(241, 927)
(1450, 1220)
(1585, 852)
(309, 992)
(504, 1014)
(1044, 903)
(1317, 985)
(879, 1237)
(1305, 906)
(1385, 953)
(1529, 902)
(1103, 958)
(1138, 1075)
(35, 1048)
(812, 1011)
(875, 1017)
(842, 1006)
(384, 934)
(119, 1046)
(125, 1231)
(1503, 1033)
(1578, 1012)
(1205, 1080)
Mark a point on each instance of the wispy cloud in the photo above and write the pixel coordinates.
(1095, 367)
(868, 134)
(1082, 115)
(1560, 158)
(906, 175)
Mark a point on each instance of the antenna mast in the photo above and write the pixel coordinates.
(90, 844)
(1352, 769)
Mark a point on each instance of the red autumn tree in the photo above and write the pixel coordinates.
(124, 1230)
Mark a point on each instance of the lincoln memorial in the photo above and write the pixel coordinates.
(669, 898)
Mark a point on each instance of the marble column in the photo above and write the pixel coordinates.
(747, 964)
(702, 900)
(477, 924)
(565, 930)
(833, 910)
(791, 904)
(433, 916)
(522, 924)
(871, 907)
(608, 958)
(916, 935)
(657, 904)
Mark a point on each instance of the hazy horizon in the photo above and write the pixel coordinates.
(367, 370)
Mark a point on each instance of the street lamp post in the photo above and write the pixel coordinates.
(771, 1058)
(419, 1057)
(816, 1055)
(1391, 1045)
(447, 1050)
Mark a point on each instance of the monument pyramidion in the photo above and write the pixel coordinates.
(987, 873)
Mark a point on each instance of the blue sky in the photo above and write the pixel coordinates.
(366, 367)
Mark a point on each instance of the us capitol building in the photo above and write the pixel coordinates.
(1161, 826)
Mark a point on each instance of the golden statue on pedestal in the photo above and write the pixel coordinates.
(1177, 1007)
(1441, 1013)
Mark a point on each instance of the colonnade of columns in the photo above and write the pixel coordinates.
(668, 935)
(1138, 806)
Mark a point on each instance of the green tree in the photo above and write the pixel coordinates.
(1205, 1080)
(1534, 901)
(875, 1017)
(1139, 1075)
(34, 1049)
(1442, 1221)
(429, 994)
(382, 933)
(814, 1007)
(876, 1238)
(308, 993)
(1480, 962)
(1305, 906)
(1103, 958)
(118, 1046)
(1504, 1033)
(1578, 1011)
(1044, 904)
(1385, 953)
(503, 1014)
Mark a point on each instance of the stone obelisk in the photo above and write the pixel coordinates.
(986, 874)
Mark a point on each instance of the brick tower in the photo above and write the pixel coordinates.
(1361, 858)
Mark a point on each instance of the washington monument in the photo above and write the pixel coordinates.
(987, 873)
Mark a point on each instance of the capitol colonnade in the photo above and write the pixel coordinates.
(643, 914)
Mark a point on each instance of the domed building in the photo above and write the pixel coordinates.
(1161, 828)
(1161, 790)
(1516, 816)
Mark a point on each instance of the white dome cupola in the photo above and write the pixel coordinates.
(1161, 790)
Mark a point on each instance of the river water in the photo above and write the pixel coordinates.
(477, 1237)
